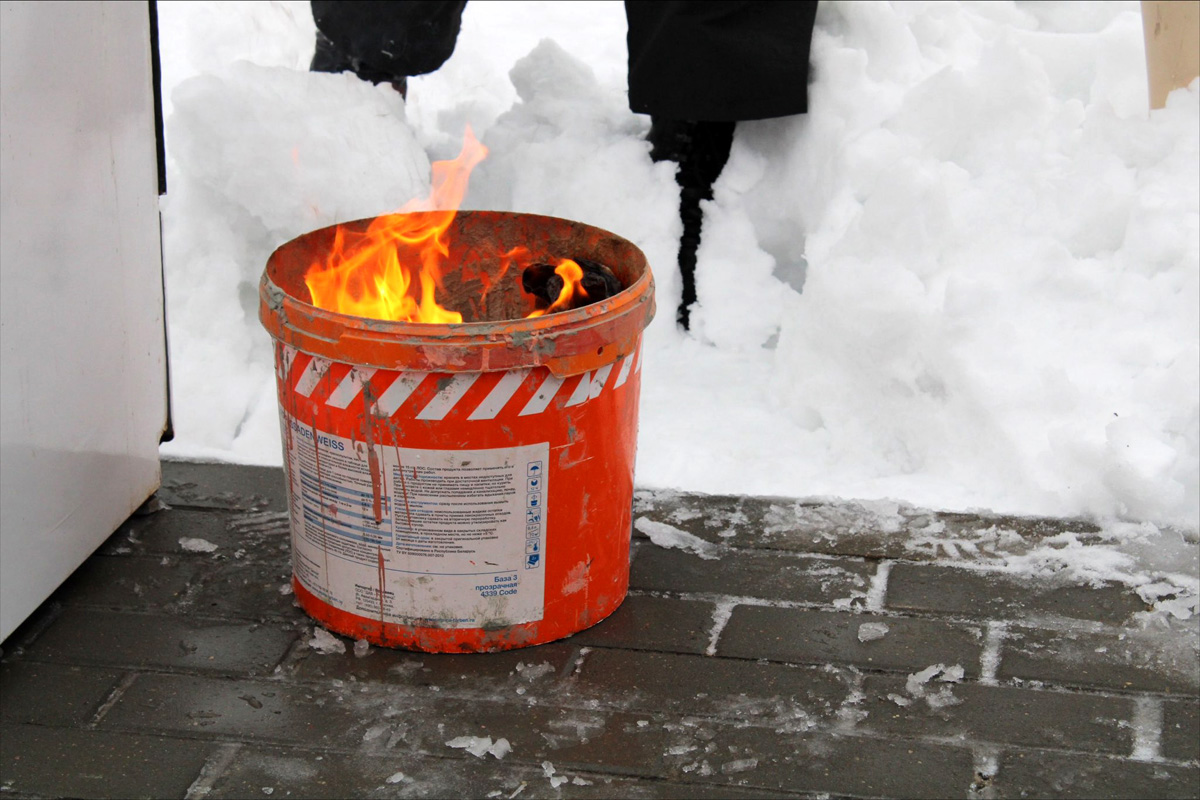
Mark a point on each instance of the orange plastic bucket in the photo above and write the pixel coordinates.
(462, 487)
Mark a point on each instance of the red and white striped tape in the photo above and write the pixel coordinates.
(588, 386)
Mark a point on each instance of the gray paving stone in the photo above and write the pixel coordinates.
(825, 637)
(998, 714)
(239, 537)
(109, 638)
(138, 582)
(534, 728)
(862, 766)
(630, 705)
(333, 715)
(247, 591)
(991, 595)
(733, 689)
(1040, 773)
(712, 517)
(764, 759)
(298, 773)
(644, 622)
(769, 523)
(52, 694)
(1181, 729)
(66, 762)
(751, 573)
(223, 486)
(29, 631)
(868, 529)
(159, 534)
(541, 668)
(692, 749)
(1115, 659)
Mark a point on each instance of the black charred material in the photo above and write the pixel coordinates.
(535, 280)
(598, 283)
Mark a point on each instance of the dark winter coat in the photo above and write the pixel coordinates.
(721, 61)
(391, 40)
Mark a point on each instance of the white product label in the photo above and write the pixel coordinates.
(459, 540)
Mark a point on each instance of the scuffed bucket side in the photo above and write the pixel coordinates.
(546, 458)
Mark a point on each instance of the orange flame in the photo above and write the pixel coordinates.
(572, 276)
(367, 273)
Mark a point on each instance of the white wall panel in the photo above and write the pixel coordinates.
(83, 376)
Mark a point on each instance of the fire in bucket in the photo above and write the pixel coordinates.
(458, 396)
(393, 270)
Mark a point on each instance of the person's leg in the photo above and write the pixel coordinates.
(328, 57)
(701, 149)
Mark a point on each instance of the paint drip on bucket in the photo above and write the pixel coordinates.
(461, 486)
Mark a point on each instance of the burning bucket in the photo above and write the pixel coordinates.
(462, 486)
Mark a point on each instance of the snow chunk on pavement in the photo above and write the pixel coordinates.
(197, 545)
(531, 672)
(479, 746)
(555, 780)
(475, 745)
(739, 765)
(953, 674)
(870, 631)
(325, 642)
(667, 536)
(916, 685)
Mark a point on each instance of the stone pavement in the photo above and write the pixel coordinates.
(792, 650)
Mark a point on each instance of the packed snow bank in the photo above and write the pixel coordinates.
(998, 249)
(968, 278)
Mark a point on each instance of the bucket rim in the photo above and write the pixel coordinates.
(567, 342)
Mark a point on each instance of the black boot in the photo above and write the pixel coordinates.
(701, 150)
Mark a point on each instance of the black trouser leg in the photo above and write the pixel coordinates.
(328, 57)
(701, 150)
(689, 243)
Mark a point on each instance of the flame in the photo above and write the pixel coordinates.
(368, 273)
(572, 275)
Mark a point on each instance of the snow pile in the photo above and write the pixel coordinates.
(260, 155)
(967, 279)
(998, 253)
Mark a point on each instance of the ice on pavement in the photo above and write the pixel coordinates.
(870, 631)
(194, 545)
(479, 746)
(668, 536)
(325, 642)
